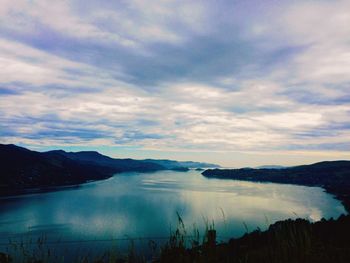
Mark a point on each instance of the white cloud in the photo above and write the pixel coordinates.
(27, 65)
(320, 29)
(131, 25)
(294, 104)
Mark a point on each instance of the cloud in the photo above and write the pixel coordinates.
(176, 75)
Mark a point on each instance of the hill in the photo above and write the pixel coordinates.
(293, 241)
(178, 164)
(271, 167)
(118, 165)
(23, 169)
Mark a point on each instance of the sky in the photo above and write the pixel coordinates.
(237, 82)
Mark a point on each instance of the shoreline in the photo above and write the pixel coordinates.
(336, 183)
(6, 193)
(44, 189)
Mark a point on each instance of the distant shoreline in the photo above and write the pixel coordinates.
(44, 189)
(333, 177)
(25, 172)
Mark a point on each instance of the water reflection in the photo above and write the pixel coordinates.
(145, 205)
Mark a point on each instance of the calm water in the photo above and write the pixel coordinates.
(145, 205)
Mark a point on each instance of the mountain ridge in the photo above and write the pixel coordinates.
(24, 169)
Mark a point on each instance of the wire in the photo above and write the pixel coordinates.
(62, 242)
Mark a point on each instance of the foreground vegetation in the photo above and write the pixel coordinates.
(285, 241)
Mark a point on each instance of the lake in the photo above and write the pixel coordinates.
(145, 205)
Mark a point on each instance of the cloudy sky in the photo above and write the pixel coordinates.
(237, 82)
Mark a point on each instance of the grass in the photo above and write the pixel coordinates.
(289, 241)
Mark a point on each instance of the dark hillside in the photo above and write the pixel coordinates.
(120, 165)
(22, 168)
(288, 241)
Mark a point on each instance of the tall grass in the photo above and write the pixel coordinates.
(289, 241)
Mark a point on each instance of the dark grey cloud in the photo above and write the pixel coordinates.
(8, 91)
(228, 75)
(303, 94)
(343, 146)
